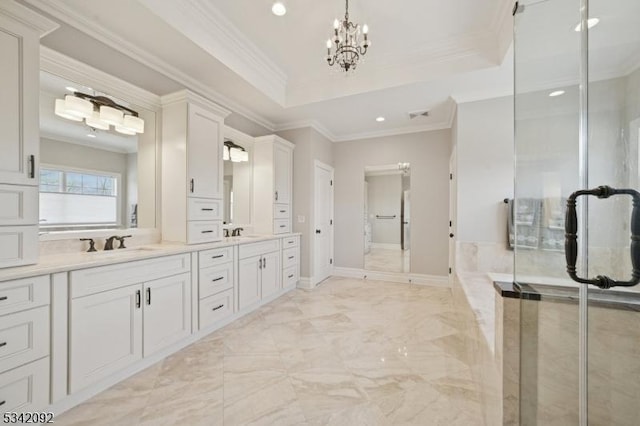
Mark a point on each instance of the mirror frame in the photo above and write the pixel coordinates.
(247, 142)
(71, 69)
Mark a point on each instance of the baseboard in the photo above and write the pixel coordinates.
(395, 277)
(306, 283)
(386, 246)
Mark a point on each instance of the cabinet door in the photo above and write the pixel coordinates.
(204, 153)
(167, 312)
(249, 281)
(282, 174)
(270, 274)
(19, 138)
(106, 334)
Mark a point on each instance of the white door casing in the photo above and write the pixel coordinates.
(453, 207)
(323, 222)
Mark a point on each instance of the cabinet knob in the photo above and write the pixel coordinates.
(318, 231)
(451, 235)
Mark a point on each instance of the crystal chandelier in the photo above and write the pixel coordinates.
(349, 49)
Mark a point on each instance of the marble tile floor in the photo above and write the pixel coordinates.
(387, 260)
(350, 352)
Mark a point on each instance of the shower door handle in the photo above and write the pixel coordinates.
(571, 237)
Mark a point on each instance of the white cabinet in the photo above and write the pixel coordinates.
(192, 168)
(166, 313)
(114, 323)
(106, 334)
(20, 32)
(272, 184)
(258, 272)
(290, 261)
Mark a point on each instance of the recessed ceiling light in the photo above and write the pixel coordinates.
(91, 135)
(278, 8)
(556, 93)
(71, 89)
(380, 119)
(591, 22)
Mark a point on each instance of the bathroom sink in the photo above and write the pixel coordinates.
(122, 252)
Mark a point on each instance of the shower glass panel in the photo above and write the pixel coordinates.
(577, 120)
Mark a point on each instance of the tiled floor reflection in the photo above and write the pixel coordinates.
(387, 260)
(350, 352)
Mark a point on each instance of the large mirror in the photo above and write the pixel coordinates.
(238, 178)
(92, 176)
(387, 213)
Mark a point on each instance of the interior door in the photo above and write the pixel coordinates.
(167, 312)
(453, 203)
(323, 222)
(249, 272)
(406, 220)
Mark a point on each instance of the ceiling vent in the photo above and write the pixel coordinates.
(416, 114)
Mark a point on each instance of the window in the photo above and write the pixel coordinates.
(78, 199)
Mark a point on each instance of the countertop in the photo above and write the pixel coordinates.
(52, 264)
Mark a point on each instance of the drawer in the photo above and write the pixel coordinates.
(204, 209)
(204, 232)
(290, 277)
(290, 257)
(18, 205)
(281, 211)
(24, 337)
(27, 293)
(215, 279)
(216, 308)
(281, 226)
(213, 257)
(291, 242)
(25, 388)
(94, 280)
(257, 249)
(18, 245)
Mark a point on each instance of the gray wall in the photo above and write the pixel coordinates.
(310, 146)
(484, 147)
(385, 195)
(245, 125)
(428, 153)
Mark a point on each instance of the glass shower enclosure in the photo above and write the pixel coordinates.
(577, 248)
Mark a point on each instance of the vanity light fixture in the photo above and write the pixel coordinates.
(99, 112)
(71, 89)
(279, 9)
(591, 22)
(380, 119)
(234, 152)
(349, 49)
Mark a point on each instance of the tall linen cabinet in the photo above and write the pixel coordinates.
(192, 168)
(273, 185)
(20, 32)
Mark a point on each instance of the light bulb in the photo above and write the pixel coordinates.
(329, 44)
(336, 24)
(365, 29)
(278, 8)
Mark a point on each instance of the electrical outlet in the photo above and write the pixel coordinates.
(301, 219)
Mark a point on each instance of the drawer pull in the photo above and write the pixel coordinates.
(207, 210)
(291, 276)
(218, 307)
(3, 298)
(3, 402)
(283, 226)
(3, 344)
(283, 211)
(218, 256)
(217, 279)
(206, 232)
(291, 257)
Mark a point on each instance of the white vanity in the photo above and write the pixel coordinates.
(75, 323)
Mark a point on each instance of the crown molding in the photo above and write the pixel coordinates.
(314, 124)
(238, 137)
(90, 27)
(28, 17)
(61, 65)
(441, 125)
(194, 98)
(207, 27)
